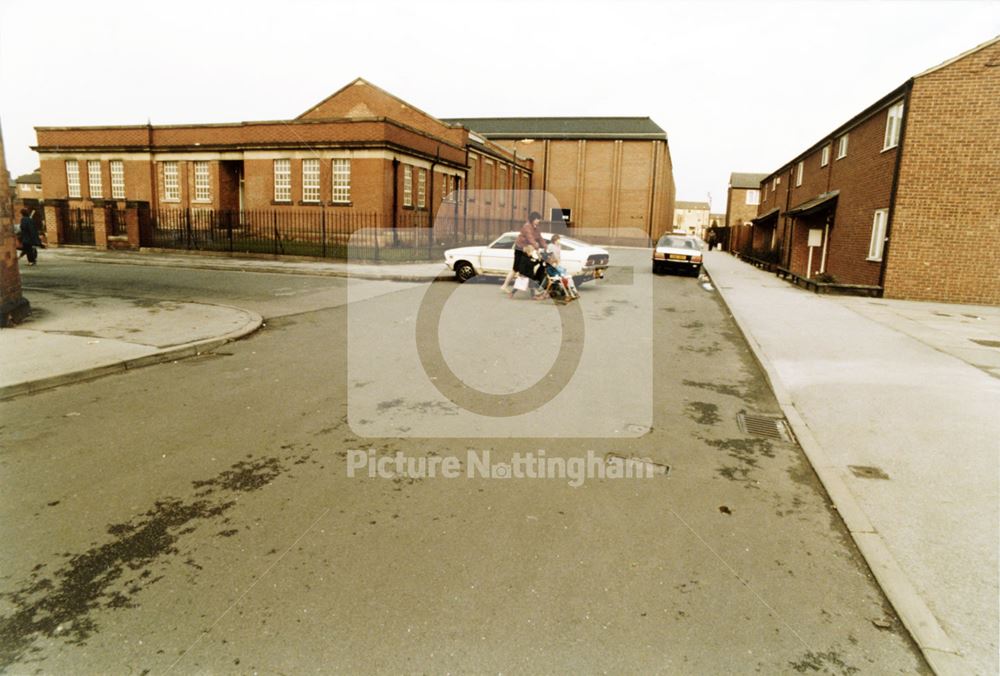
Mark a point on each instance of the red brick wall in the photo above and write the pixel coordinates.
(945, 230)
(737, 209)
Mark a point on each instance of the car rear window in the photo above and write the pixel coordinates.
(677, 242)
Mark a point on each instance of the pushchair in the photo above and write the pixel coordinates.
(557, 284)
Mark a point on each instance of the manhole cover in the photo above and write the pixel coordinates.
(769, 426)
(867, 472)
(986, 343)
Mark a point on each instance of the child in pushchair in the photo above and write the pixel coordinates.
(558, 284)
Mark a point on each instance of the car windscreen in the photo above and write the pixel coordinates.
(677, 242)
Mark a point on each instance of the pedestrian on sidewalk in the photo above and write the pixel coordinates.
(530, 235)
(29, 238)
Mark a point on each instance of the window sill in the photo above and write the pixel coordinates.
(340, 204)
(281, 202)
(889, 148)
(310, 203)
(874, 260)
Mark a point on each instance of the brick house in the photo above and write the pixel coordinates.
(691, 217)
(359, 158)
(601, 172)
(904, 196)
(742, 199)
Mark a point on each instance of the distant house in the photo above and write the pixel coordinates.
(593, 172)
(29, 186)
(742, 200)
(692, 217)
(904, 196)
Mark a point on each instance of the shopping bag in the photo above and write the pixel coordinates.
(521, 284)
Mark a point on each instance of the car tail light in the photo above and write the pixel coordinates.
(696, 259)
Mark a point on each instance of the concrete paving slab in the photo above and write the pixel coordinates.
(879, 383)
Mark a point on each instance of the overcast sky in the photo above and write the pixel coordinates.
(737, 86)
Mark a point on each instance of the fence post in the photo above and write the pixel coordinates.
(187, 227)
(274, 214)
(323, 229)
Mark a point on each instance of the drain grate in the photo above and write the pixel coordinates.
(769, 426)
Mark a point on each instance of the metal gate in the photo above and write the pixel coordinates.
(77, 226)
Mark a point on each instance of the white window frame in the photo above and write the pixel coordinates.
(202, 182)
(94, 183)
(877, 243)
(753, 197)
(799, 170)
(842, 144)
(341, 181)
(310, 181)
(117, 168)
(407, 185)
(73, 178)
(283, 180)
(824, 158)
(421, 189)
(171, 182)
(893, 126)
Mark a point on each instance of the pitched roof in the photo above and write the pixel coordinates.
(562, 127)
(698, 206)
(33, 177)
(960, 56)
(738, 180)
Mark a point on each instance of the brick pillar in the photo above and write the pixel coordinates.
(131, 215)
(52, 230)
(100, 227)
(13, 306)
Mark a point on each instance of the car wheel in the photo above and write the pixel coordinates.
(464, 271)
(656, 268)
(696, 270)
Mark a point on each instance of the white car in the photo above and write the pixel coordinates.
(677, 252)
(581, 260)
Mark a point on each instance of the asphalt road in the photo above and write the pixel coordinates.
(198, 516)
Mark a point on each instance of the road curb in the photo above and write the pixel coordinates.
(173, 353)
(936, 646)
(279, 268)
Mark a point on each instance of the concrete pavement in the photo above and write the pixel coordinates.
(895, 404)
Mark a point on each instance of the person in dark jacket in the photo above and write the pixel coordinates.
(29, 238)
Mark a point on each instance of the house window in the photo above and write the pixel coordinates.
(310, 180)
(488, 180)
(73, 178)
(342, 181)
(774, 184)
(842, 147)
(893, 126)
(753, 197)
(825, 157)
(502, 185)
(282, 180)
(421, 189)
(117, 180)
(798, 173)
(407, 186)
(472, 182)
(202, 187)
(171, 184)
(878, 235)
(94, 179)
(445, 188)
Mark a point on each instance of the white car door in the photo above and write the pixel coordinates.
(498, 257)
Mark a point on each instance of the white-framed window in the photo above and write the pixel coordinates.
(342, 181)
(893, 126)
(445, 188)
(117, 180)
(421, 189)
(824, 158)
(407, 185)
(753, 197)
(202, 184)
(171, 182)
(774, 184)
(878, 234)
(94, 179)
(282, 180)
(310, 180)
(842, 147)
(73, 178)
(798, 173)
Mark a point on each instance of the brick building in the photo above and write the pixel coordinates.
(601, 172)
(742, 199)
(359, 158)
(904, 196)
(692, 217)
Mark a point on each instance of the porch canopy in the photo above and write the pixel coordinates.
(815, 205)
(765, 219)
